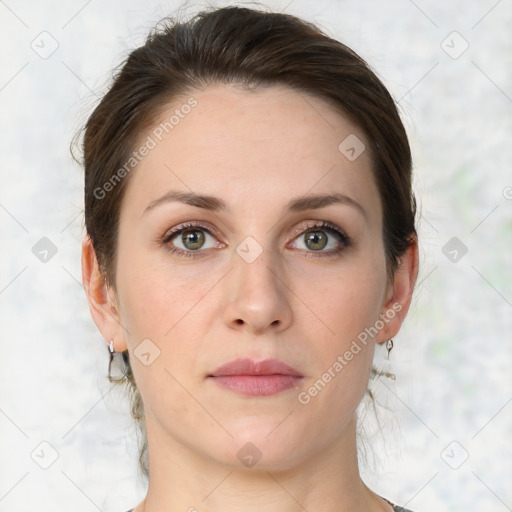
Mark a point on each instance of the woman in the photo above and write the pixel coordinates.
(250, 239)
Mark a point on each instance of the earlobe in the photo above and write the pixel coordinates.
(101, 299)
(400, 296)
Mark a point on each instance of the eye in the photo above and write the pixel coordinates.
(321, 235)
(188, 239)
(192, 238)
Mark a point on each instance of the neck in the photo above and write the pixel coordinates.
(181, 479)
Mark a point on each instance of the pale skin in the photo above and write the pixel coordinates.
(256, 151)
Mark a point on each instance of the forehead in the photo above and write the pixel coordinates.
(267, 144)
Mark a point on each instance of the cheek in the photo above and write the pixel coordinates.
(153, 305)
(350, 302)
(344, 357)
(349, 309)
(150, 298)
(171, 308)
(158, 308)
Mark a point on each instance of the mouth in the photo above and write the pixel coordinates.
(252, 378)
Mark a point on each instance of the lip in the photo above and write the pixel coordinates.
(256, 378)
(246, 366)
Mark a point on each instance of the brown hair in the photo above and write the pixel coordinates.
(247, 48)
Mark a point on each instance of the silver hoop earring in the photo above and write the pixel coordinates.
(389, 346)
(111, 346)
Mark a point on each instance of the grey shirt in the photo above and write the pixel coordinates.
(396, 508)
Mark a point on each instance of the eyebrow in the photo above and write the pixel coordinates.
(297, 204)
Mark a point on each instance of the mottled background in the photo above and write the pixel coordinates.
(446, 437)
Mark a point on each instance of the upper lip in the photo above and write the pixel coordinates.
(245, 366)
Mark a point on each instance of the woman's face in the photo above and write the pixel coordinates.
(258, 278)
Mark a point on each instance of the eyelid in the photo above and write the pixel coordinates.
(319, 224)
(309, 225)
(190, 224)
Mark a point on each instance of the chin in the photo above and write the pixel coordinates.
(259, 443)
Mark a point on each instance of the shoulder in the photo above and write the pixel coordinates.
(397, 508)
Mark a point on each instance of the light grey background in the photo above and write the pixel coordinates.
(453, 394)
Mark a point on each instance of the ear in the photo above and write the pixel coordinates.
(399, 295)
(102, 298)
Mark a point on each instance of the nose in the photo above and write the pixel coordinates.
(257, 296)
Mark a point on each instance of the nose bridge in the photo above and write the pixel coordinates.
(256, 268)
(256, 293)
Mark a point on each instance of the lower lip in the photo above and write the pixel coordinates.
(257, 385)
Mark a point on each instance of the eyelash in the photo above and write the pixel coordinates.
(345, 240)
